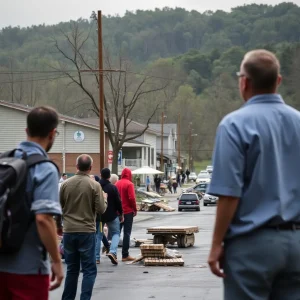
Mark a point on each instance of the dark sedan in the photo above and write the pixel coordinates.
(189, 201)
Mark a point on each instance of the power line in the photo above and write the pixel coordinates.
(183, 81)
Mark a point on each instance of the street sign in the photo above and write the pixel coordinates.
(110, 156)
(120, 158)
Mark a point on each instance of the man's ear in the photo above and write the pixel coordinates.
(279, 80)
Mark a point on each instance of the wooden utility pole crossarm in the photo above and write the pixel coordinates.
(101, 91)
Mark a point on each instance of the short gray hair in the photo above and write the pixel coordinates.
(84, 162)
(114, 178)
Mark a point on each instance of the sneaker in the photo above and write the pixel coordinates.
(98, 262)
(113, 258)
(128, 258)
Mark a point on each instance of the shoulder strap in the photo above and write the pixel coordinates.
(36, 159)
(11, 153)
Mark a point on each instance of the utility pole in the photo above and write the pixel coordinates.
(190, 144)
(101, 91)
(178, 142)
(162, 143)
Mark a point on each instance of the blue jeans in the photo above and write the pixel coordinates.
(99, 237)
(79, 248)
(114, 230)
(128, 220)
(263, 265)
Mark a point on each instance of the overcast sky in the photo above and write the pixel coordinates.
(33, 12)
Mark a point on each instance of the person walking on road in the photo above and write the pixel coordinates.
(25, 274)
(148, 183)
(127, 193)
(170, 184)
(187, 173)
(113, 215)
(175, 185)
(178, 179)
(81, 199)
(256, 160)
(157, 181)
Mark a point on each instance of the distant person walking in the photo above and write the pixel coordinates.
(81, 199)
(187, 173)
(256, 246)
(170, 185)
(126, 191)
(114, 179)
(148, 183)
(178, 179)
(175, 185)
(25, 273)
(182, 178)
(157, 182)
(63, 177)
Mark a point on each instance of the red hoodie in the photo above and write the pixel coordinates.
(126, 191)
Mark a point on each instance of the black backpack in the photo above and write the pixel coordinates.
(15, 203)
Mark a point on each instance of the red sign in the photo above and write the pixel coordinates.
(110, 156)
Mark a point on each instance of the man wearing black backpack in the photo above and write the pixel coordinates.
(28, 202)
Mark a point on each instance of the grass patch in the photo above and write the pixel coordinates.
(201, 165)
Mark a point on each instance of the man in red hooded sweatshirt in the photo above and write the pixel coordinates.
(127, 193)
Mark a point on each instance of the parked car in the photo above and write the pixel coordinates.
(210, 199)
(203, 177)
(199, 189)
(189, 201)
(209, 169)
(193, 176)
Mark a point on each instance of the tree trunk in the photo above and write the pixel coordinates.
(115, 160)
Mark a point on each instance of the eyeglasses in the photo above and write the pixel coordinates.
(239, 74)
(56, 133)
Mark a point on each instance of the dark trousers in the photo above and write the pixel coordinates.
(263, 265)
(127, 225)
(79, 248)
(157, 189)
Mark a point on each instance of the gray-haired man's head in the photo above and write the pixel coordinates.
(84, 163)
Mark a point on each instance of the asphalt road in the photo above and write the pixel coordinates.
(193, 281)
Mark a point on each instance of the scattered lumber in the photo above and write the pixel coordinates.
(140, 242)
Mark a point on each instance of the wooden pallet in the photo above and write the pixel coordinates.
(153, 247)
(164, 262)
(173, 229)
(153, 250)
(164, 206)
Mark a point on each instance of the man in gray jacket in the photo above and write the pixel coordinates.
(81, 199)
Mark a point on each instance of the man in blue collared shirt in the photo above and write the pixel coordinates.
(25, 275)
(256, 239)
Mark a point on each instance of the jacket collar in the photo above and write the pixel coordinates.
(265, 98)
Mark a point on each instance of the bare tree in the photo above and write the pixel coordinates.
(123, 90)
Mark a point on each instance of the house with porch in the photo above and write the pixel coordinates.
(138, 152)
(170, 148)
